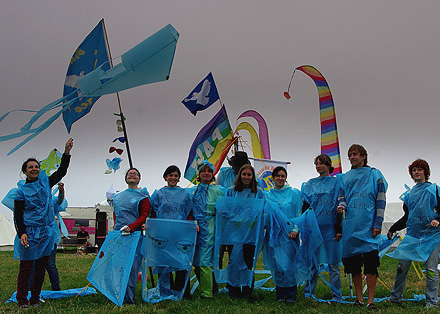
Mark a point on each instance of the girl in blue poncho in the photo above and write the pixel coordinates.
(173, 202)
(289, 202)
(245, 186)
(34, 223)
(422, 218)
(205, 196)
(321, 194)
(132, 207)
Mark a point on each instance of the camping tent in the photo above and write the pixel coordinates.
(7, 234)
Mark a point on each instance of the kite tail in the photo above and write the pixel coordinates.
(46, 108)
(34, 132)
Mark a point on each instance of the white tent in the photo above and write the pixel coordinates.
(7, 234)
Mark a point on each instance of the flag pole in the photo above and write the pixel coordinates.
(119, 101)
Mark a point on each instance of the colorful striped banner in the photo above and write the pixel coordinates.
(329, 130)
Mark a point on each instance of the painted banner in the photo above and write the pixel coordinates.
(212, 143)
(263, 169)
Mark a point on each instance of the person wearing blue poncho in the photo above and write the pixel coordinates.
(422, 219)
(173, 202)
(362, 195)
(205, 196)
(51, 267)
(227, 175)
(34, 220)
(321, 194)
(245, 186)
(131, 209)
(290, 202)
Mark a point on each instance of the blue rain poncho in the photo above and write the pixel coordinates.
(38, 217)
(204, 198)
(289, 259)
(109, 273)
(322, 195)
(172, 203)
(226, 177)
(239, 221)
(169, 248)
(421, 239)
(126, 206)
(360, 187)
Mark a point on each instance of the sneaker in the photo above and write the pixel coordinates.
(431, 306)
(358, 303)
(280, 300)
(23, 307)
(371, 306)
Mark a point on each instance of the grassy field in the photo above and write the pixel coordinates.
(74, 269)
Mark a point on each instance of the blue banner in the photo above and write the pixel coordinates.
(203, 95)
(90, 54)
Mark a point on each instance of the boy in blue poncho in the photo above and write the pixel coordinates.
(321, 194)
(422, 217)
(362, 195)
(227, 175)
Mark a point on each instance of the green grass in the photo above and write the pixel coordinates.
(74, 269)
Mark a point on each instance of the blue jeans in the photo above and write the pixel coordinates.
(335, 280)
(431, 289)
(52, 271)
(130, 293)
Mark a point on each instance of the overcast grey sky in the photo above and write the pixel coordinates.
(380, 59)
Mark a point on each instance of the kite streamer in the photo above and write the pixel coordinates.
(329, 131)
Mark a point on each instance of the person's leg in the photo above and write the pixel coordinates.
(371, 264)
(353, 266)
(130, 293)
(23, 282)
(335, 280)
(310, 286)
(432, 278)
(279, 294)
(248, 256)
(52, 271)
(290, 293)
(400, 281)
(31, 276)
(357, 283)
(205, 281)
(40, 272)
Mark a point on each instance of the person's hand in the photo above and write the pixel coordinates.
(68, 146)
(61, 187)
(197, 228)
(127, 229)
(24, 239)
(144, 227)
(434, 223)
(293, 235)
(338, 236)
(376, 232)
(389, 235)
(340, 209)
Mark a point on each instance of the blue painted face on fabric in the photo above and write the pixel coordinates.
(170, 243)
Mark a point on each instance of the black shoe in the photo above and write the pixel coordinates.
(290, 301)
(358, 304)
(251, 299)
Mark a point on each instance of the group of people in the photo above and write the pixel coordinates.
(349, 211)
